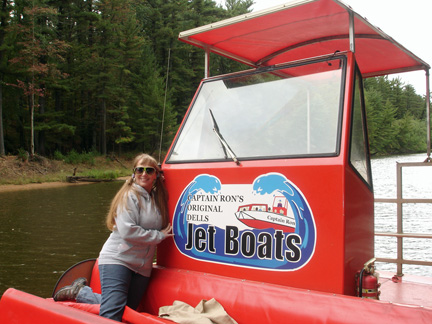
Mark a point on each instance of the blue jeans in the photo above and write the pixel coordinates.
(120, 287)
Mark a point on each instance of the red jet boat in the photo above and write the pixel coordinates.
(288, 137)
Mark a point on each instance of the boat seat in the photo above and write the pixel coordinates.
(246, 301)
(94, 283)
(257, 302)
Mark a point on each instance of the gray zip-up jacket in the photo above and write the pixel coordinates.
(133, 240)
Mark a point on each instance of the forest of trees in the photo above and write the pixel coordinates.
(396, 117)
(107, 75)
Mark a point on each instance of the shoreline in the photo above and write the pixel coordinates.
(33, 186)
(45, 185)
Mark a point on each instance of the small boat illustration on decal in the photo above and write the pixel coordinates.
(261, 216)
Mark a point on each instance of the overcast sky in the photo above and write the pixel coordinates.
(407, 22)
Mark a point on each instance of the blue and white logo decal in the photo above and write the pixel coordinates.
(266, 225)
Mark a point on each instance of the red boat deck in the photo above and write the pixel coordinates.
(410, 290)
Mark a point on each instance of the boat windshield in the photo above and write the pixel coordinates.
(289, 111)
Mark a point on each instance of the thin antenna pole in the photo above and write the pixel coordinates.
(207, 63)
(163, 113)
(352, 31)
(32, 103)
(428, 121)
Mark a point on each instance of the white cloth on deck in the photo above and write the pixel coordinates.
(206, 312)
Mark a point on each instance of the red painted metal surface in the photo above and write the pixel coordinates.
(408, 289)
(304, 29)
(342, 206)
(342, 229)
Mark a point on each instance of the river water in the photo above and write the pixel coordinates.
(44, 232)
(417, 218)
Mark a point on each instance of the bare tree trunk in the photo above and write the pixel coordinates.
(2, 147)
(40, 139)
(3, 23)
(32, 125)
(104, 121)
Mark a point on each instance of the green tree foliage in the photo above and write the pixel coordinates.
(236, 7)
(5, 9)
(35, 63)
(103, 75)
(111, 76)
(396, 117)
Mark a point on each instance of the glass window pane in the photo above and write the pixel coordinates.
(359, 149)
(286, 112)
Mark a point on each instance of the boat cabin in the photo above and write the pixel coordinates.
(269, 179)
(294, 127)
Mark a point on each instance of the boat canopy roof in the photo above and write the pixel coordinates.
(301, 29)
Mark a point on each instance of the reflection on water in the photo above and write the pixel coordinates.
(417, 183)
(43, 232)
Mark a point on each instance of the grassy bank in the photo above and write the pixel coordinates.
(23, 170)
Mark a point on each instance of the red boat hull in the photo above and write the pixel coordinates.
(240, 299)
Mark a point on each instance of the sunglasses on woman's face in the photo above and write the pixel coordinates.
(148, 170)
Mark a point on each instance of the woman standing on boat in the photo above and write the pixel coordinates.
(138, 219)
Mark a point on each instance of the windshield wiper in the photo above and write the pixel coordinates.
(225, 145)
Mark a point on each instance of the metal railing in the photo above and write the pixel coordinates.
(400, 235)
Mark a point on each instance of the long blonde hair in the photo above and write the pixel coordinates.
(158, 190)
